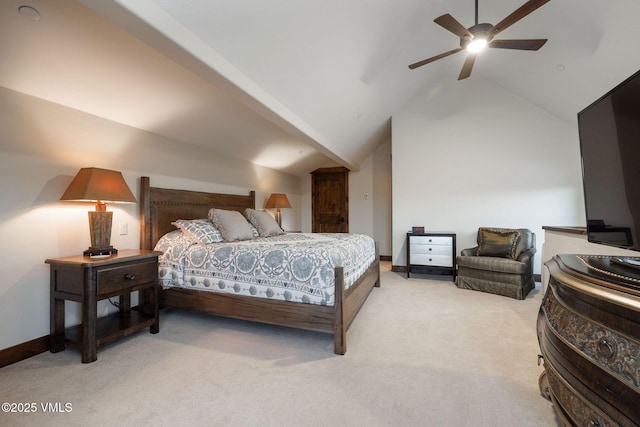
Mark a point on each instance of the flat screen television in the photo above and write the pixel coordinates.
(609, 132)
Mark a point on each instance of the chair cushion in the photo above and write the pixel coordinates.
(489, 263)
(498, 242)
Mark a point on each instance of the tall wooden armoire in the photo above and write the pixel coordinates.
(330, 200)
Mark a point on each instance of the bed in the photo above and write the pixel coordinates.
(160, 208)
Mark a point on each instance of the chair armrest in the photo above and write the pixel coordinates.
(469, 251)
(527, 255)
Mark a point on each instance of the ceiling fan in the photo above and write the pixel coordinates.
(475, 38)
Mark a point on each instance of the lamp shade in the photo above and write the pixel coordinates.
(94, 184)
(277, 201)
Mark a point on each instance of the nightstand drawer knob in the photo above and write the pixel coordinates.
(129, 276)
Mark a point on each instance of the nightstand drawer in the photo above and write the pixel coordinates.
(433, 260)
(119, 278)
(432, 240)
(430, 249)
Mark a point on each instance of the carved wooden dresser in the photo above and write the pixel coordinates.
(589, 336)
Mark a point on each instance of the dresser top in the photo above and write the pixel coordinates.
(603, 271)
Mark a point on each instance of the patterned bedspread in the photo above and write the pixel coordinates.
(290, 267)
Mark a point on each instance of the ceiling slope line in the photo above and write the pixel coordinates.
(162, 32)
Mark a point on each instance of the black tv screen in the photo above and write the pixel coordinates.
(610, 148)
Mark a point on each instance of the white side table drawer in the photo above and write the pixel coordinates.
(432, 260)
(429, 249)
(432, 240)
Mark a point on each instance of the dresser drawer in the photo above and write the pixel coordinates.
(573, 404)
(119, 278)
(432, 240)
(432, 260)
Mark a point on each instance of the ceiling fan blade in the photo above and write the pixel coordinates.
(518, 14)
(449, 23)
(521, 44)
(468, 66)
(434, 58)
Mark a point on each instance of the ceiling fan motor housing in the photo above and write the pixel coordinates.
(483, 31)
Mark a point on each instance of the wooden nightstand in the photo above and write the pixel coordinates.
(87, 280)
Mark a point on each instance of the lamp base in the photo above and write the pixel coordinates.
(100, 229)
(100, 252)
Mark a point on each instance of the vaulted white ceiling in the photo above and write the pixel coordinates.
(298, 84)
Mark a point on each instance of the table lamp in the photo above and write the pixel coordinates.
(277, 201)
(99, 186)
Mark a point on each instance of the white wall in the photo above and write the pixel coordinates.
(471, 154)
(42, 147)
(369, 199)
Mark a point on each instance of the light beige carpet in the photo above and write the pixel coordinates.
(420, 353)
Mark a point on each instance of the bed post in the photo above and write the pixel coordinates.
(377, 284)
(340, 327)
(252, 194)
(145, 213)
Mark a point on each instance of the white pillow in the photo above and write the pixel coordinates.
(263, 222)
(201, 230)
(231, 224)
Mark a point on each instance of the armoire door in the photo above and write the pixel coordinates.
(330, 200)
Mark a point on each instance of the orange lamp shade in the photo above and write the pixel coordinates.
(277, 201)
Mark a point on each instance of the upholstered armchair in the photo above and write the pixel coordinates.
(501, 264)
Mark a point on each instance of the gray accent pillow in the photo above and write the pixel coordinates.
(263, 222)
(231, 224)
(498, 242)
(202, 231)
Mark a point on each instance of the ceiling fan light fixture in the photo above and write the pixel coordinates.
(477, 45)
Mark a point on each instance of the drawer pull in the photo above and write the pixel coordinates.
(129, 276)
(606, 348)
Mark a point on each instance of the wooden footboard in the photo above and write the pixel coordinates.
(334, 320)
(159, 207)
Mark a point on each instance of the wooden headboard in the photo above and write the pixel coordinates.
(159, 207)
